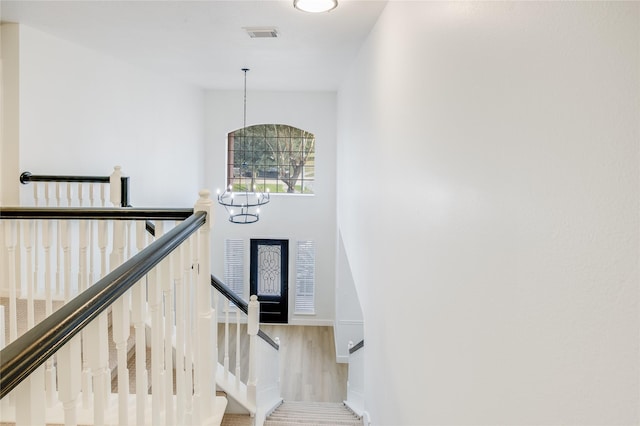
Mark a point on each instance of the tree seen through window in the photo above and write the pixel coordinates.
(276, 157)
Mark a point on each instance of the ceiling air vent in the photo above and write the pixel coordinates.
(261, 32)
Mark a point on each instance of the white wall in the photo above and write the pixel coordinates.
(9, 118)
(82, 112)
(349, 324)
(286, 216)
(491, 218)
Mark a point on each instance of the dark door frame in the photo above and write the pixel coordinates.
(273, 309)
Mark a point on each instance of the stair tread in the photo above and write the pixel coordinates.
(297, 413)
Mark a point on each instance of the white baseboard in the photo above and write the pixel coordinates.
(309, 321)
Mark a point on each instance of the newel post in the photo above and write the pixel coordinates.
(252, 331)
(115, 186)
(206, 355)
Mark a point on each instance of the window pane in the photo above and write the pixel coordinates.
(269, 153)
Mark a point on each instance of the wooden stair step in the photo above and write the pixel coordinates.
(297, 413)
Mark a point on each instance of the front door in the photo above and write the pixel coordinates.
(269, 278)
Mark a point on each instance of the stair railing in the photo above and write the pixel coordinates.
(177, 260)
(58, 190)
(355, 381)
(258, 380)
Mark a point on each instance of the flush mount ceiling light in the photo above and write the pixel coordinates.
(315, 6)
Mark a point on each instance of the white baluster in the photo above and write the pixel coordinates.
(69, 378)
(29, 395)
(206, 329)
(117, 250)
(46, 194)
(85, 275)
(120, 324)
(27, 235)
(68, 194)
(226, 339)
(102, 195)
(121, 330)
(238, 312)
(58, 247)
(66, 249)
(50, 369)
(83, 278)
(98, 357)
(10, 242)
(138, 313)
(167, 290)
(252, 331)
(36, 243)
(104, 382)
(115, 186)
(191, 280)
(91, 239)
(91, 197)
(83, 285)
(80, 200)
(102, 245)
(35, 193)
(157, 348)
(177, 267)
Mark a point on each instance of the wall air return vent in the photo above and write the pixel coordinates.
(261, 32)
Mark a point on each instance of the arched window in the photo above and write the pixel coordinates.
(276, 157)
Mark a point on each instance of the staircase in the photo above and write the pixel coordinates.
(294, 413)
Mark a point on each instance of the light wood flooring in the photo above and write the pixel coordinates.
(308, 368)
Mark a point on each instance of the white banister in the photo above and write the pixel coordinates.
(168, 304)
(98, 357)
(69, 369)
(66, 250)
(50, 370)
(252, 331)
(179, 269)
(207, 333)
(157, 350)
(226, 340)
(29, 396)
(27, 227)
(191, 281)
(10, 243)
(120, 325)
(58, 246)
(138, 310)
(238, 370)
(121, 329)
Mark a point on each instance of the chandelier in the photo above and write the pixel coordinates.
(243, 206)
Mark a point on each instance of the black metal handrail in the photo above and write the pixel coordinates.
(21, 357)
(27, 177)
(356, 347)
(240, 303)
(109, 213)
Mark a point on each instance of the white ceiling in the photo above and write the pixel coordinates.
(203, 42)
